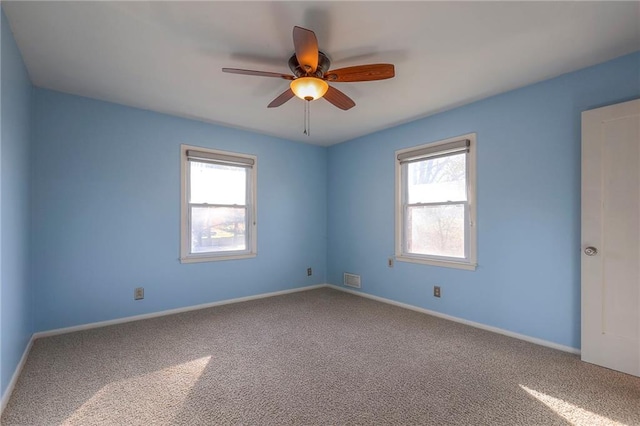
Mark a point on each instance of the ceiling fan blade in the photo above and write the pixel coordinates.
(257, 73)
(306, 45)
(339, 99)
(369, 72)
(284, 97)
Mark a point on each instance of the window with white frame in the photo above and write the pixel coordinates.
(218, 209)
(435, 203)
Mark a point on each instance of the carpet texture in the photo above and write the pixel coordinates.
(314, 357)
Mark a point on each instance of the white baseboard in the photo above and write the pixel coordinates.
(169, 312)
(462, 321)
(14, 379)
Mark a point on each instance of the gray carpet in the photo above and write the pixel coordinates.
(315, 357)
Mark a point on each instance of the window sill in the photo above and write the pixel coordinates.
(443, 263)
(198, 259)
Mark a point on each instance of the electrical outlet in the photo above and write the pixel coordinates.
(309, 272)
(138, 293)
(436, 291)
(390, 262)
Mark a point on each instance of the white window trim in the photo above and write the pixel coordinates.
(469, 264)
(185, 255)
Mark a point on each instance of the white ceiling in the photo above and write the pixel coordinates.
(167, 56)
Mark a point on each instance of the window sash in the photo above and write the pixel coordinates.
(248, 216)
(233, 206)
(406, 230)
(247, 221)
(246, 170)
(454, 148)
(405, 174)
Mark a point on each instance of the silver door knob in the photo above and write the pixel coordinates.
(591, 251)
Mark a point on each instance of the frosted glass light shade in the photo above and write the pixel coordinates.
(309, 88)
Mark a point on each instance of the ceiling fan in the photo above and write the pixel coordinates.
(311, 73)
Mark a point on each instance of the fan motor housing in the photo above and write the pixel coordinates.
(323, 66)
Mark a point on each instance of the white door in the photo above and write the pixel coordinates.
(611, 237)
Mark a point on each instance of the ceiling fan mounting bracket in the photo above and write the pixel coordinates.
(323, 66)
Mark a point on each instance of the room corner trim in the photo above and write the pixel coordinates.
(16, 374)
(481, 326)
(99, 324)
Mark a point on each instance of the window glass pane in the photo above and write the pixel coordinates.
(436, 230)
(217, 184)
(437, 180)
(218, 229)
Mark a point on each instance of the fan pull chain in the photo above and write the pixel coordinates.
(307, 118)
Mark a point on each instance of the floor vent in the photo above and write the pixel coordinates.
(352, 280)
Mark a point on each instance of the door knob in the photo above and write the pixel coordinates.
(591, 251)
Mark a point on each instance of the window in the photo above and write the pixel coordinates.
(218, 211)
(435, 203)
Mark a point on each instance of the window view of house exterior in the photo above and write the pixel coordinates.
(435, 208)
(218, 220)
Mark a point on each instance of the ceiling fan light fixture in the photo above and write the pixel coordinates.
(309, 88)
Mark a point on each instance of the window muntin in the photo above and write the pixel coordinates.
(218, 209)
(434, 206)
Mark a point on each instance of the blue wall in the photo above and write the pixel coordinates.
(528, 180)
(16, 323)
(106, 213)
